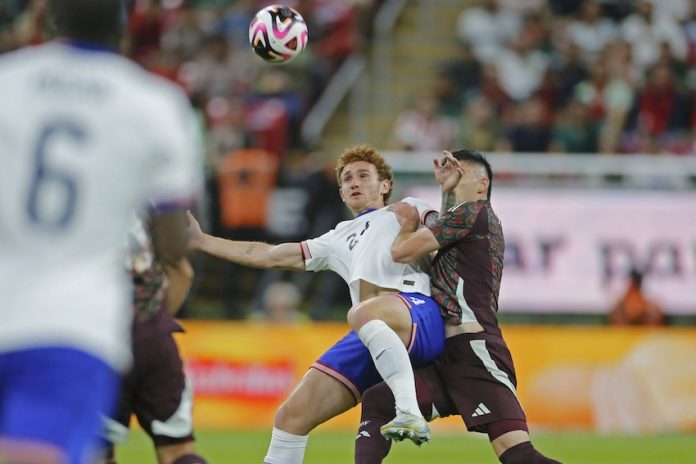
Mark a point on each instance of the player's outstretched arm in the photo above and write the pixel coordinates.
(411, 243)
(252, 254)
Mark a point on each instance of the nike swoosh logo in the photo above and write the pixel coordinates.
(383, 351)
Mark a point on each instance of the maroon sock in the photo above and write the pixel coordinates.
(525, 453)
(377, 409)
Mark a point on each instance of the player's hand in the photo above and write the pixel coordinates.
(448, 171)
(195, 232)
(406, 214)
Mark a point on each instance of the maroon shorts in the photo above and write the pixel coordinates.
(474, 378)
(156, 390)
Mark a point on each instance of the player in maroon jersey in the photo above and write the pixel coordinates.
(156, 389)
(475, 376)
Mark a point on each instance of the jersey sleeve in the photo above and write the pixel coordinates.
(423, 208)
(316, 252)
(456, 224)
(177, 175)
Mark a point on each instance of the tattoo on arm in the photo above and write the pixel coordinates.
(250, 249)
(430, 218)
(448, 201)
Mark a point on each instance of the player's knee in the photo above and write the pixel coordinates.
(359, 315)
(378, 401)
(290, 418)
(190, 459)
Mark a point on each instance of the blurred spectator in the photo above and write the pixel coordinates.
(422, 128)
(591, 32)
(521, 67)
(661, 106)
(448, 95)
(184, 35)
(479, 127)
(690, 34)
(617, 58)
(488, 28)
(226, 133)
(274, 112)
(609, 101)
(529, 132)
(645, 32)
(573, 131)
(634, 307)
(492, 90)
(29, 25)
(522, 7)
(679, 10)
(234, 25)
(564, 7)
(464, 70)
(569, 70)
(281, 302)
(334, 36)
(146, 28)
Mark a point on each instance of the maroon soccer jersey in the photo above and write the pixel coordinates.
(466, 273)
(149, 281)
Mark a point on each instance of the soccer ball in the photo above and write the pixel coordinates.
(278, 34)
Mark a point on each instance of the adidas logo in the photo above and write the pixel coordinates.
(481, 410)
(363, 433)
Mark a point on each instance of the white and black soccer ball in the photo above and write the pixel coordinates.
(278, 34)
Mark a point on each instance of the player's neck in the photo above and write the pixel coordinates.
(367, 209)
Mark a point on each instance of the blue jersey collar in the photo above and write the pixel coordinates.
(88, 46)
(368, 210)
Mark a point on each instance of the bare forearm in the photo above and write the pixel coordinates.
(448, 201)
(399, 251)
(252, 254)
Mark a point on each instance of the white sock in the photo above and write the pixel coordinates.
(391, 359)
(285, 448)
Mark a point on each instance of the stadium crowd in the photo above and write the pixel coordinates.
(592, 76)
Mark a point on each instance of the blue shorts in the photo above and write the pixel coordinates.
(349, 361)
(56, 396)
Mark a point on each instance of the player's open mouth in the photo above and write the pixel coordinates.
(355, 194)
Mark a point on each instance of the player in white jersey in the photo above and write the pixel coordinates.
(85, 137)
(392, 310)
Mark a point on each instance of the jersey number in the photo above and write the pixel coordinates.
(352, 239)
(50, 176)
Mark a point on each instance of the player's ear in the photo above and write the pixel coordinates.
(483, 185)
(385, 186)
(340, 193)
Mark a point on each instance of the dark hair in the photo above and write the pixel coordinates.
(95, 21)
(476, 157)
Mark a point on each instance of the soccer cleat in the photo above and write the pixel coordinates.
(406, 425)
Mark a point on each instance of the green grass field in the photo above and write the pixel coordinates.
(231, 447)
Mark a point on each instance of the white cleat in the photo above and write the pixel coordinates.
(406, 425)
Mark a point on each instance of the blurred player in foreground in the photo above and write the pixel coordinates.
(391, 308)
(475, 376)
(156, 389)
(86, 137)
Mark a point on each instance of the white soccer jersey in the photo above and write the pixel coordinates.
(360, 249)
(86, 137)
